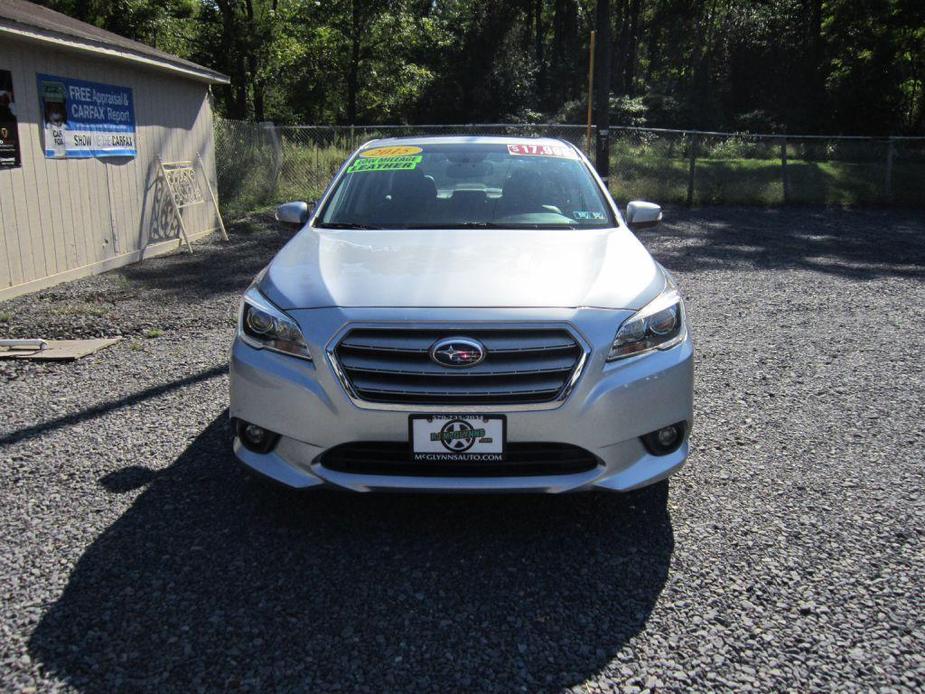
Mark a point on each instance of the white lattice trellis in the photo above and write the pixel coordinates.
(182, 179)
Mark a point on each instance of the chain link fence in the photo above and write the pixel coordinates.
(711, 168)
(260, 164)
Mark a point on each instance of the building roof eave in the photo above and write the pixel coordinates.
(180, 68)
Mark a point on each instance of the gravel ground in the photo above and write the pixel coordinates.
(788, 554)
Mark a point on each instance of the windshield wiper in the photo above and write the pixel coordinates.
(490, 225)
(459, 225)
(345, 225)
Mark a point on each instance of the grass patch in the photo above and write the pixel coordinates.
(760, 182)
(136, 346)
(5, 317)
(152, 333)
(733, 172)
(255, 179)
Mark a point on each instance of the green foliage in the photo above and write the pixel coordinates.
(170, 25)
(628, 110)
(825, 66)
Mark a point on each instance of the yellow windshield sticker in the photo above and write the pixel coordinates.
(392, 163)
(396, 151)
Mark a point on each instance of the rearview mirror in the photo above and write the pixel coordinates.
(643, 215)
(296, 213)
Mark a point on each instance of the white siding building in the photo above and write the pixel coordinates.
(63, 218)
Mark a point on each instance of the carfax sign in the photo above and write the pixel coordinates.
(86, 119)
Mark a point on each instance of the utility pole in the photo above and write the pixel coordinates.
(590, 92)
(602, 98)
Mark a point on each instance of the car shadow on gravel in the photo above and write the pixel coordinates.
(134, 399)
(853, 243)
(211, 579)
(214, 267)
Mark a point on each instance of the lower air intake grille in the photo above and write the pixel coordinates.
(520, 459)
(521, 366)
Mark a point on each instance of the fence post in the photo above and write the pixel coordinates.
(888, 176)
(690, 173)
(783, 170)
(353, 142)
(273, 138)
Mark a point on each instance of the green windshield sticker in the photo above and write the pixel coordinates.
(405, 163)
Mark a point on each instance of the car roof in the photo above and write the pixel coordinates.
(467, 139)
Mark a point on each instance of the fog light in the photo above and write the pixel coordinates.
(255, 437)
(666, 437)
(258, 435)
(665, 440)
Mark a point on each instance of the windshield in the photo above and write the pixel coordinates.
(459, 185)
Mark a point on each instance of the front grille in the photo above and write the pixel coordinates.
(520, 459)
(522, 365)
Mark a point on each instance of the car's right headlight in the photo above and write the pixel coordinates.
(658, 325)
(264, 326)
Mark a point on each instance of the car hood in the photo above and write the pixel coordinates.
(599, 268)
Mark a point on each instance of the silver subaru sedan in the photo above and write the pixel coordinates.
(462, 314)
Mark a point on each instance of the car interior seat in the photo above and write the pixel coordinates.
(411, 197)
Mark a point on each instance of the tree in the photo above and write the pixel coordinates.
(850, 66)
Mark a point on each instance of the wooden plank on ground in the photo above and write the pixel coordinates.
(61, 350)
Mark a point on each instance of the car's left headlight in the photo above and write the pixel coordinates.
(264, 326)
(658, 325)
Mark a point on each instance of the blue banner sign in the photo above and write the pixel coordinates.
(86, 119)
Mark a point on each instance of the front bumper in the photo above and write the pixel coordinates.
(607, 411)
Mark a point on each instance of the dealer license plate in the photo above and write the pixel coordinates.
(441, 437)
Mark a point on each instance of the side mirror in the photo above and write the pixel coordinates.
(643, 215)
(295, 213)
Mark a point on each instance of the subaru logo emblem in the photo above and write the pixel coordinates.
(458, 352)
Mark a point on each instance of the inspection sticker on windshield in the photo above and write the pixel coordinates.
(588, 214)
(443, 438)
(531, 150)
(405, 163)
